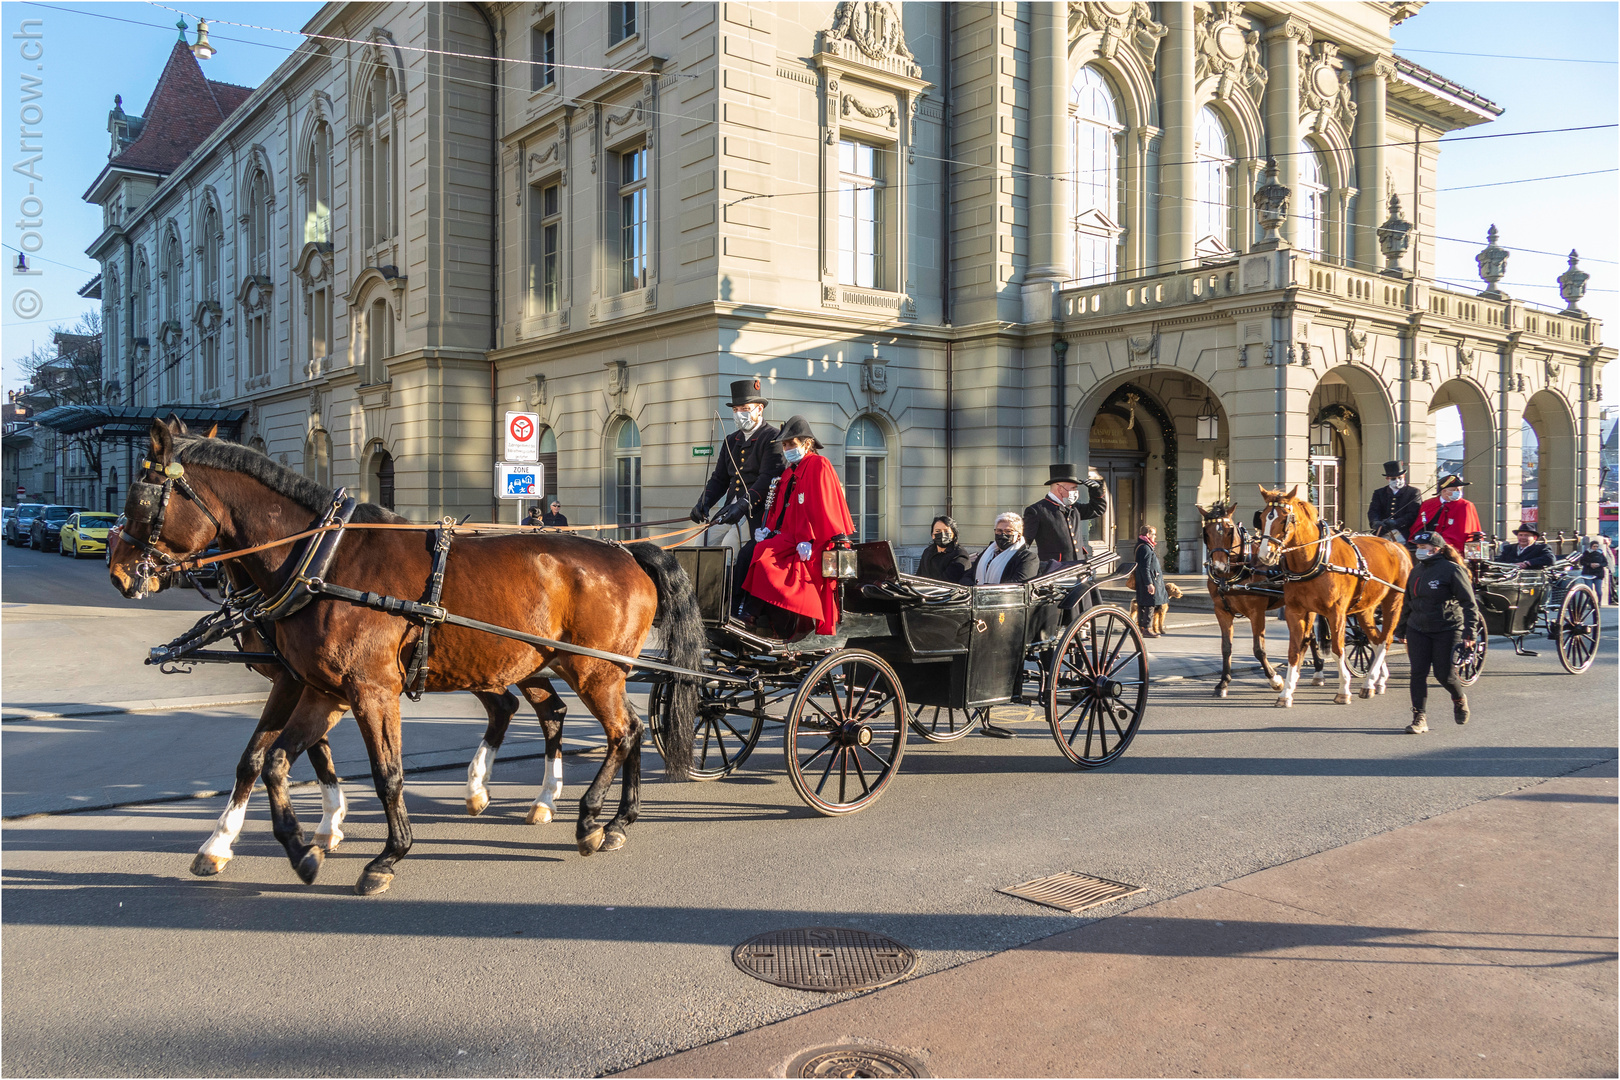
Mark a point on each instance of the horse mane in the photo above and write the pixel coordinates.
(237, 458)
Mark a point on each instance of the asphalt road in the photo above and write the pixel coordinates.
(500, 951)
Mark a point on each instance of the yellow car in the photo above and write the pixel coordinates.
(85, 533)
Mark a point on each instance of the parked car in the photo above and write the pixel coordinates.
(19, 524)
(6, 514)
(85, 533)
(46, 530)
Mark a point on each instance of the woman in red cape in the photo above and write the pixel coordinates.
(1453, 517)
(809, 511)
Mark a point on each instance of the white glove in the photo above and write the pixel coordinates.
(761, 533)
(804, 550)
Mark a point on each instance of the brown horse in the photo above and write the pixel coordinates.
(194, 490)
(1336, 576)
(1231, 581)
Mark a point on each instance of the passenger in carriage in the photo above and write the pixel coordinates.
(1529, 553)
(806, 515)
(944, 559)
(1009, 559)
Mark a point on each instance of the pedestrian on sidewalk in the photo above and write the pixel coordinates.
(1439, 608)
(1150, 591)
(1596, 568)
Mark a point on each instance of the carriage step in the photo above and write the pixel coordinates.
(1071, 891)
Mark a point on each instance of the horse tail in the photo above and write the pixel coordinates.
(686, 641)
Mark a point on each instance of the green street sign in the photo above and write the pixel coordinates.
(703, 451)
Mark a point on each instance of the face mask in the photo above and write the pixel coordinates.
(1396, 485)
(1450, 495)
(942, 539)
(1071, 497)
(793, 455)
(1003, 541)
(1424, 553)
(747, 420)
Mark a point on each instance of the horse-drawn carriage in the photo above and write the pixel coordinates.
(909, 652)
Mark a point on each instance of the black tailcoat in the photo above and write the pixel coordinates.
(1538, 555)
(744, 469)
(1055, 531)
(1394, 509)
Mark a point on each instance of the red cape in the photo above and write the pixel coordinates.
(1456, 521)
(810, 507)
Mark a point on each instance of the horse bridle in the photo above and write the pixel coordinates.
(1233, 569)
(150, 501)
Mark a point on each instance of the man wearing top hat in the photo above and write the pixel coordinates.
(749, 460)
(1529, 553)
(1449, 514)
(1395, 505)
(1052, 525)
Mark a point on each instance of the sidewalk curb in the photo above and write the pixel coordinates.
(142, 705)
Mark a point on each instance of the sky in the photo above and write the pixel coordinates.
(1550, 65)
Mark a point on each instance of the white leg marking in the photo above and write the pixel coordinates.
(329, 834)
(1378, 672)
(479, 771)
(1290, 674)
(225, 832)
(545, 805)
(1345, 679)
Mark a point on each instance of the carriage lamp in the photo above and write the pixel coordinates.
(838, 560)
(1322, 437)
(1209, 423)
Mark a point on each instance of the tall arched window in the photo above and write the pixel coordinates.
(258, 232)
(213, 241)
(379, 159)
(318, 187)
(1216, 233)
(171, 267)
(627, 473)
(140, 387)
(318, 457)
(379, 340)
(382, 479)
(865, 452)
(1313, 200)
(113, 343)
(1097, 151)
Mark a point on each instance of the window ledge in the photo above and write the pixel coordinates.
(539, 326)
(859, 299)
(631, 302)
(625, 43)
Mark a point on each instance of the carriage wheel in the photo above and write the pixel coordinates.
(1098, 688)
(1470, 663)
(940, 723)
(1358, 650)
(1578, 629)
(846, 732)
(725, 730)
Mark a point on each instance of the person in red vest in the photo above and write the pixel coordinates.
(806, 514)
(1449, 514)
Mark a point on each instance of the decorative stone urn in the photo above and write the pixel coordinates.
(1492, 263)
(1394, 237)
(1572, 285)
(1271, 205)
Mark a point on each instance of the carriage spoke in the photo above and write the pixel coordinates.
(860, 773)
(885, 762)
(831, 758)
(807, 762)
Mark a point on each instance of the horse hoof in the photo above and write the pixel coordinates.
(477, 803)
(373, 882)
(1341, 699)
(1366, 692)
(591, 842)
(613, 840)
(208, 865)
(309, 864)
(1277, 685)
(1284, 703)
(328, 841)
(1220, 691)
(1318, 681)
(1381, 689)
(539, 814)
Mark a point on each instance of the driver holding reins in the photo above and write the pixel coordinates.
(749, 460)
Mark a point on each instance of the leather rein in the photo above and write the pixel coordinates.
(1321, 563)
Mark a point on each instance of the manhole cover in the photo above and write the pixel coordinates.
(825, 958)
(854, 1061)
(1072, 892)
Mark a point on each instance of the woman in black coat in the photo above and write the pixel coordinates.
(944, 559)
(1439, 609)
(1150, 592)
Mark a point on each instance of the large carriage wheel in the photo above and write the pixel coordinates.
(846, 732)
(1097, 689)
(1358, 648)
(725, 730)
(941, 723)
(1577, 628)
(1470, 663)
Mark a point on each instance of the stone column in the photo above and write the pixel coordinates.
(1282, 106)
(1048, 157)
(1372, 132)
(1178, 173)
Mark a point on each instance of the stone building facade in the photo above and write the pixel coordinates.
(964, 240)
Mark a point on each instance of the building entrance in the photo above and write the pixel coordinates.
(1119, 460)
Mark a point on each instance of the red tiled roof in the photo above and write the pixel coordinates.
(185, 109)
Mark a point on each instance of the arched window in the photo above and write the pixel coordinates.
(113, 344)
(1215, 173)
(173, 267)
(318, 457)
(379, 340)
(139, 299)
(213, 239)
(1097, 150)
(382, 479)
(627, 473)
(379, 159)
(548, 463)
(865, 452)
(1313, 200)
(170, 333)
(258, 233)
(318, 187)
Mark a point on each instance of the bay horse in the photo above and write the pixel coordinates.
(1232, 581)
(353, 656)
(1337, 576)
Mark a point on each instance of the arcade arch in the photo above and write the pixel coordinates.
(1477, 452)
(1351, 408)
(1548, 416)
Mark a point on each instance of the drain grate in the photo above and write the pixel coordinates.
(1072, 892)
(825, 958)
(854, 1061)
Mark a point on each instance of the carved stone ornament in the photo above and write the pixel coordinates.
(1129, 21)
(1271, 203)
(618, 377)
(1325, 90)
(1229, 52)
(1394, 237)
(1355, 342)
(872, 112)
(1143, 349)
(1551, 367)
(875, 375)
(1492, 263)
(1572, 285)
(870, 31)
(1465, 359)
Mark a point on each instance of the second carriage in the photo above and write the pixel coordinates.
(912, 654)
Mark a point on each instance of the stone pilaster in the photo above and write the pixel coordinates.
(1178, 209)
(1049, 157)
(1284, 41)
(1372, 132)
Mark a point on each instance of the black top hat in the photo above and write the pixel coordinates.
(797, 427)
(1452, 482)
(1526, 527)
(746, 392)
(1063, 472)
(1393, 469)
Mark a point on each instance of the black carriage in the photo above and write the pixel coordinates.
(1517, 603)
(912, 653)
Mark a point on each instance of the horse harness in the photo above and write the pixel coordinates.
(1321, 563)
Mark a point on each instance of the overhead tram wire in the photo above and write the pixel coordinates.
(1504, 56)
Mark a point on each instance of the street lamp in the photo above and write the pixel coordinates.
(1208, 422)
(1322, 437)
(202, 50)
